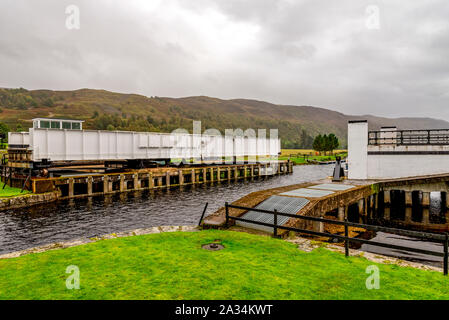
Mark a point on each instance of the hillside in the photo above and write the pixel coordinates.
(115, 111)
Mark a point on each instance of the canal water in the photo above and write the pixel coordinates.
(88, 217)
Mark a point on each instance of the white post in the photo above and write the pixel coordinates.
(358, 149)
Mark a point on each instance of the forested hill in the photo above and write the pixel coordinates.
(116, 111)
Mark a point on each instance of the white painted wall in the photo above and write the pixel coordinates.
(18, 138)
(362, 165)
(357, 150)
(59, 145)
(401, 166)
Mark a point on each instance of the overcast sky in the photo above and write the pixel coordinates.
(332, 54)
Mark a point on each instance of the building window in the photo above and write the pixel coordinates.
(66, 125)
(55, 125)
(76, 125)
(45, 124)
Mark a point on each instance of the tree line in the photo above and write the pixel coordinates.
(325, 143)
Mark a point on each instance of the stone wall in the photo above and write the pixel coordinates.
(28, 200)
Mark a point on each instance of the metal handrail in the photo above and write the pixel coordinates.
(409, 137)
(444, 238)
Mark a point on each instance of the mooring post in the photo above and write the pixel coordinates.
(346, 238)
(275, 222)
(446, 244)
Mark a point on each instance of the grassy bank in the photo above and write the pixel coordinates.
(174, 266)
(302, 156)
(10, 192)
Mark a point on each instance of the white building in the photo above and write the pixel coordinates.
(391, 153)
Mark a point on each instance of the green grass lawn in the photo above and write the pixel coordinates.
(174, 266)
(302, 160)
(10, 192)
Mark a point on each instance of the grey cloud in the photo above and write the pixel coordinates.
(291, 52)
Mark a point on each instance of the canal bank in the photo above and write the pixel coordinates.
(74, 184)
(67, 219)
(175, 265)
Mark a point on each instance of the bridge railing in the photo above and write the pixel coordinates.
(409, 137)
(442, 238)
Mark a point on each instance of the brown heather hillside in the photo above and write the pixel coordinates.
(115, 111)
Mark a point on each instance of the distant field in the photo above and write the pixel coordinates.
(288, 152)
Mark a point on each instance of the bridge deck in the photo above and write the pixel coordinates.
(324, 196)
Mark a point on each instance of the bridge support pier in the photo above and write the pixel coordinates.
(318, 226)
(447, 199)
(408, 214)
(387, 213)
(361, 206)
(408, 198)
(387, 197)
(341, 213)
(425, 199)
(425, 216)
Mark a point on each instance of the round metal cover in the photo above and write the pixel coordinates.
(213, 246)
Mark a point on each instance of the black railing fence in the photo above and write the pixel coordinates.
(409, 137)
(442, 238)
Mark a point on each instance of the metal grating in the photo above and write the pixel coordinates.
(308, 193)
(332, 186)
(281, 204)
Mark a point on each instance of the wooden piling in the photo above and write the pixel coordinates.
(167, 179)
(122, 183)
(89, 185)
(71, 187)
(180, 177)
